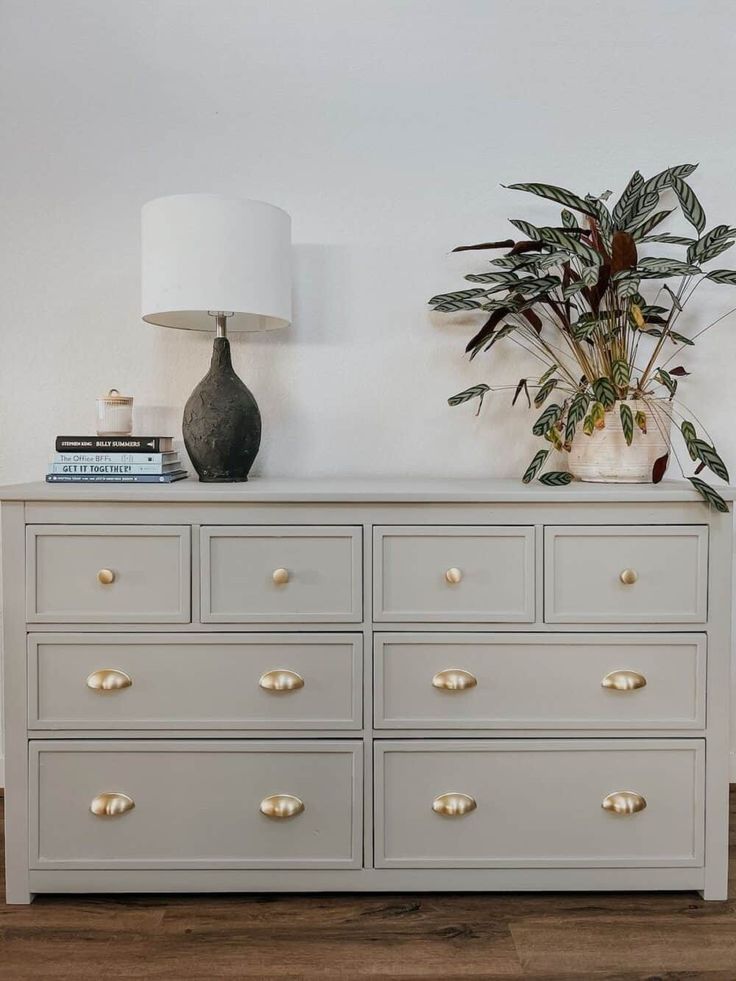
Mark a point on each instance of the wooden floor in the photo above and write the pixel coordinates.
(662, 936)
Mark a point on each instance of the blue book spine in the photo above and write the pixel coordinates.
(123, 469)
(68, 478)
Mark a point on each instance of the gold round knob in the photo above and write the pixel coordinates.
(623, 802)
(111, 805)
(106, 576)
(109, 679)
(454, 679)
(629, 576)
(623, 681)
(280, 576)
(281, 679)
(453, 575)
(453, 805)
(281, 806)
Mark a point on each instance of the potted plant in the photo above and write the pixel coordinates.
(602, 321)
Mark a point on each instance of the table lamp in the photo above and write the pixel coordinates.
(220, 264)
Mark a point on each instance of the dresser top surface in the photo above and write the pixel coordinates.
(358, 490)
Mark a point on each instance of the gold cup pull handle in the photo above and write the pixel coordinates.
(454, 804)
(623, 802)
(111, 805)
(109, 679)
(281, 679)
(280, 806)
(629, 576)
(280, 576)
(105, 577)
(623, 680)
(454, 679)
(453, 576)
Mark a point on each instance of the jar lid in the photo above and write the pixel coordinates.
(114, 397)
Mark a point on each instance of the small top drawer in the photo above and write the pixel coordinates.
(108, 573)
(626, 574)
(453, 574)
(281, 574)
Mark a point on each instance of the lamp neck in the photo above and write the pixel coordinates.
(221, 325)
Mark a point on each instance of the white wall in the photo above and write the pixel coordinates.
(384, 127)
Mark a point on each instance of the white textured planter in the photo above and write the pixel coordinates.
(604, 456)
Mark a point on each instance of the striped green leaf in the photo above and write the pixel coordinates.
(568, 219)
(571, 243)
(620, 373)
(717, 240)
(627, 422)
(689, 435)
(648, 224)
(666, 379)
(691, 207)
(628, 287)
(534, 467)
(575, 414)
(555, 478)
(668, 239)
(526, 228)
(491, 277)
(639, 209)
(545, 391)
(640, 419)
(664, 179)
(604, 391)
(451, 306)
(708, 454)
(547, 419)
(659, 268)
(559, 194)
(476, 392)
(457, 295)
(629, 193)
(584, 327)
(709, 495)
(727, 276)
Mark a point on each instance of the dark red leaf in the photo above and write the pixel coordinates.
(700, 466)
(595, 238)
(594, 295)
(679, 371)
(521, 387)
(487, 329)
(506, 244)
(533, 319)
(623, 252)
(660, 468)
(526, 247)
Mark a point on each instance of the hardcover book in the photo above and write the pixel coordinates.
(116, 444)
(101, 458)
(103, 469)
(145, 478)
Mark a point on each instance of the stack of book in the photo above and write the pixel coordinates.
(116, 459)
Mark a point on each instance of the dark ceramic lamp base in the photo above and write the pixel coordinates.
(222, 424)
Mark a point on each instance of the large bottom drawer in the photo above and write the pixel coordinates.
(196, 804)
(539, 803)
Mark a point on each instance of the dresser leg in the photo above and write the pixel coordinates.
(717, 894)
(18, 896)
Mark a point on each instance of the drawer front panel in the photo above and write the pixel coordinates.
(281, 574)
(538, 803)
(196, 804)
(626, 574)
(454, 574)
(194, 681)
(111, 574)
(545, 681)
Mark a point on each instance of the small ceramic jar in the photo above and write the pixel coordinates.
(114, 414)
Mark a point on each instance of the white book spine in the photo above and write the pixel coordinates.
(112, 468)
(115, 458)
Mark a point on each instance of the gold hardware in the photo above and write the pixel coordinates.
(623, 680)
(281, 576)
(106, 576)
(454, 679)
(111, 805)
(629, 576)
(281, 806)
(281, 679)
(453, 805)
(453, 575)
(623, 802)
(109, 679)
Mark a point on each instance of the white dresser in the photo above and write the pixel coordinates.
(365, 685)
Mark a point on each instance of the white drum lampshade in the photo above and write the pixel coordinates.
(216, 263)
(204, 253)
